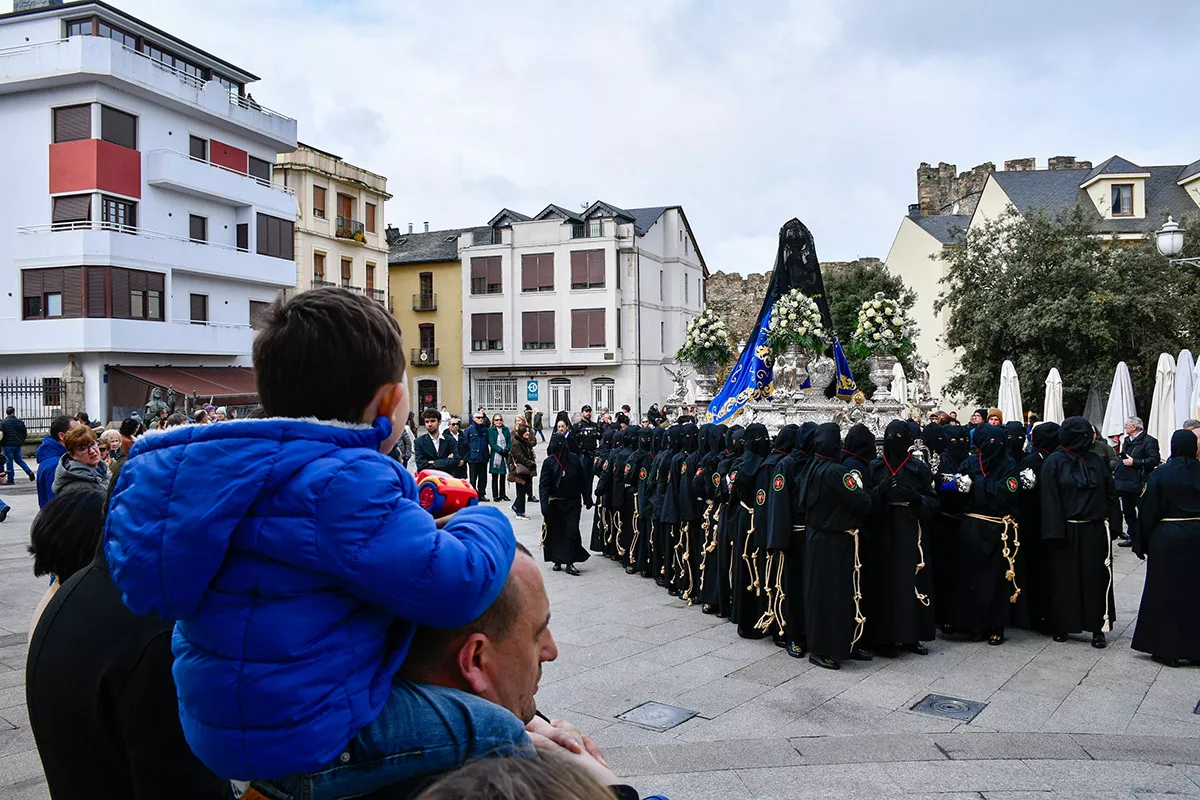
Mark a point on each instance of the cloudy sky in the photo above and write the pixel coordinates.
(746, 112)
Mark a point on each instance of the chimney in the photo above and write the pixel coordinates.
(914, 209)
(1020, 165)
(410, 227)
(1068, 162)
(427, 227)
(30, 5)
(935, 185)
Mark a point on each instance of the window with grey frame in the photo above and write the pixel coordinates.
(197, 228)
(487, 332)
(537, 330)
(1122, 200)
(119, 214)
(199, 309)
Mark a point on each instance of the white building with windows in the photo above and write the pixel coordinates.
(564, 308)
(139, 227)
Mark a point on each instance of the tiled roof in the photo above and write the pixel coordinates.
(942, 226)
(1190, 171)
(1113, 166)
(424, 248)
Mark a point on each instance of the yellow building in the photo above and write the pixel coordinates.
(339, 225)
(425, 283)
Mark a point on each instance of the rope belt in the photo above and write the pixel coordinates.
(689, 593)
(921, 598)
(951, 516)
(1010, 556)
(1106, 625)
(636, 532)
(617, 537)
(860, 620)
(710, 532)
(768, 617)
(1180, 519)
(542, 541)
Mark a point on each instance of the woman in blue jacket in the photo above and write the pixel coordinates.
(477, 453)
(499, 443)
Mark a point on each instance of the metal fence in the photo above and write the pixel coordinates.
(37, 400)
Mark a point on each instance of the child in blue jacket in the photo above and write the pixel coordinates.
(295, 561)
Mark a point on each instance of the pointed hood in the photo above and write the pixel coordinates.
(958, 445)
(897, 439)
(1045, 437)
(785, 440)
(1184, 445)
(827, 441)
(860, 443)
(804, 440)
(735, 440)
(991, 445)
(934, 437)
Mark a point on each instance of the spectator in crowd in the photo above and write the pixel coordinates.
(995, 417)
(200, 417)
(101, 698)
(411, 423)
(561, 425)
(321, 515)
(63, 540)
(1191, 425)
(12, 437)
(176, 419)
(455, 434)
(1102, 448)
(435, 451)
(1139, 456)
(49, 453)
(84, 419)
(403, 451)
(524, 468)
(110, 445)
(80, 468)
(528, 415)
(221, 415)
(548, 777)
(477, 453)
(499, 444)
(537, 425)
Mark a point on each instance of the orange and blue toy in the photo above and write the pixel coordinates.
(442, 494)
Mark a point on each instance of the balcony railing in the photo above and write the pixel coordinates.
(424, 302)
(378, 295)
(116, 227)
(318, 283)
(351, 229)
(351, 288)
(255, 178)
(425, 356)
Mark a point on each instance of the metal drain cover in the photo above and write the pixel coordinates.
(952, 707)
(656, 716)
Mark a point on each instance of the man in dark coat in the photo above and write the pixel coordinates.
(477, 453)
(1169, 539)
(660, 538)
(563, 489)
(1080, 512)
(985, 581)
(904, 498)
(1032, 607)
(672, 511)
(435, 451)
(12, 434)
(835, 506)
(588, 434)
(458, 437)
(1138, 457)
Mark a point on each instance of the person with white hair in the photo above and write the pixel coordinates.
(1139, 455)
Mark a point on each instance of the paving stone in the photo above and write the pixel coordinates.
(904, 721)
(679, 651)
(878, 748)
(723, 755)
(1151, 749)
(887, 688)
(776, 668)
(841, 780)
(1091, 710)
(1045, 681)
(1153, 725)
(745, 651)
(969, 746)
(746, 721)
(23, 766)
(958, 776)
(1015, 711)
(1113, 776)
(716, 697)
(842, 716)
(726, 785)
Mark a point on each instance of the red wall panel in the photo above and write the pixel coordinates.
(94, 164)
(226, 155)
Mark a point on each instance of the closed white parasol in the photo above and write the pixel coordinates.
(1161, 423)
(899, 384)
(1052, 409)
(1120, 404)
(1009, 402)
(1184, 367)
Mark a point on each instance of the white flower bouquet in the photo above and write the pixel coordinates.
(796, 322)
(883, 329)
(705, 342)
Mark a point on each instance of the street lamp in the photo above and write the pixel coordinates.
(1169, 240)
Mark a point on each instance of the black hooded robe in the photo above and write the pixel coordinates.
(637, 559)
(675, 467)
(562, 489)
(983, 593)
(600, 515)
(726, 518)
(785, 539)
(836, 506)
(691, 535)
(659, 559)
(749, 602)
(707, 490)
(1169, 539)
(1081, 513)
(905, 500)
(858, 451)
(1032, 608)
(946, 523)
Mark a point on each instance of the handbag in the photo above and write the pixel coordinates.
(518, 473)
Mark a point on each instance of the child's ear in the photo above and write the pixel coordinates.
(393, 397)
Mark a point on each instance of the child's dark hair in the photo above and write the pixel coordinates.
(325, 353)
(64, 534)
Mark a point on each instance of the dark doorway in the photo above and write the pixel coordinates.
(427, 394)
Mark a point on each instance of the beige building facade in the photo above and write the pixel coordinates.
(339, 231)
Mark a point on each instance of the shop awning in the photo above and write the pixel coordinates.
(225, 385)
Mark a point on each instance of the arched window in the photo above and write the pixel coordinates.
(604, 394)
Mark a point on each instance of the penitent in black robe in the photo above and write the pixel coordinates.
(904, 502)
(749, 602)
(946, 522)
(1081, 514)
(706, 486)
(599, 467)
(725, 513)
(1169, 539)
(786, 540)
(836, 506)
(1033, 606)
(660, 560)
(562, 489)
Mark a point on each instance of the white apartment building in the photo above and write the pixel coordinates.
(340, 237)
(564, 308)
(139, 227)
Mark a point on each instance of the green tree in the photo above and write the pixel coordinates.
(847, 286)
(1048, 293)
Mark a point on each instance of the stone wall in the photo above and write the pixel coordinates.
(944, 190)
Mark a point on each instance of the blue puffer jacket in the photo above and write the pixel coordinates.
(294, 559)
(48, 454)
(477, 443)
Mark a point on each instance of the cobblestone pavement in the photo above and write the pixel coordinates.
(1061, 721)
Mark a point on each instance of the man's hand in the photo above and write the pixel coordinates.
(1127, 461)
(589, 763)
(566, 736)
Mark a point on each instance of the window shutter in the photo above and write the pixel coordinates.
(243, 236)
(347, 270)
(120, 293)
(579, 269)
(258, 168)
(596, 268)
(137, 281)
(261, 244)
(118, 127)
(319, 266)
(319, 199)
(32, 282)
(288, 232)
(478, 327)
(493, 270)
(529, 273)
(198, 228)
(75, 208)
(370, 220)
(72, 292)
(479, 269)
(579, 328)
(198, 148)
(546, 270)
(596, 325)
(546, 328)
(97, 292)
(426, 336)
(529, 328)
(72, 123)
(199, 308)
(155, 281)
(370, 276)
(494, 324)
(52, 280)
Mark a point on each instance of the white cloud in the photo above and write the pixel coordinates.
(746, 113)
